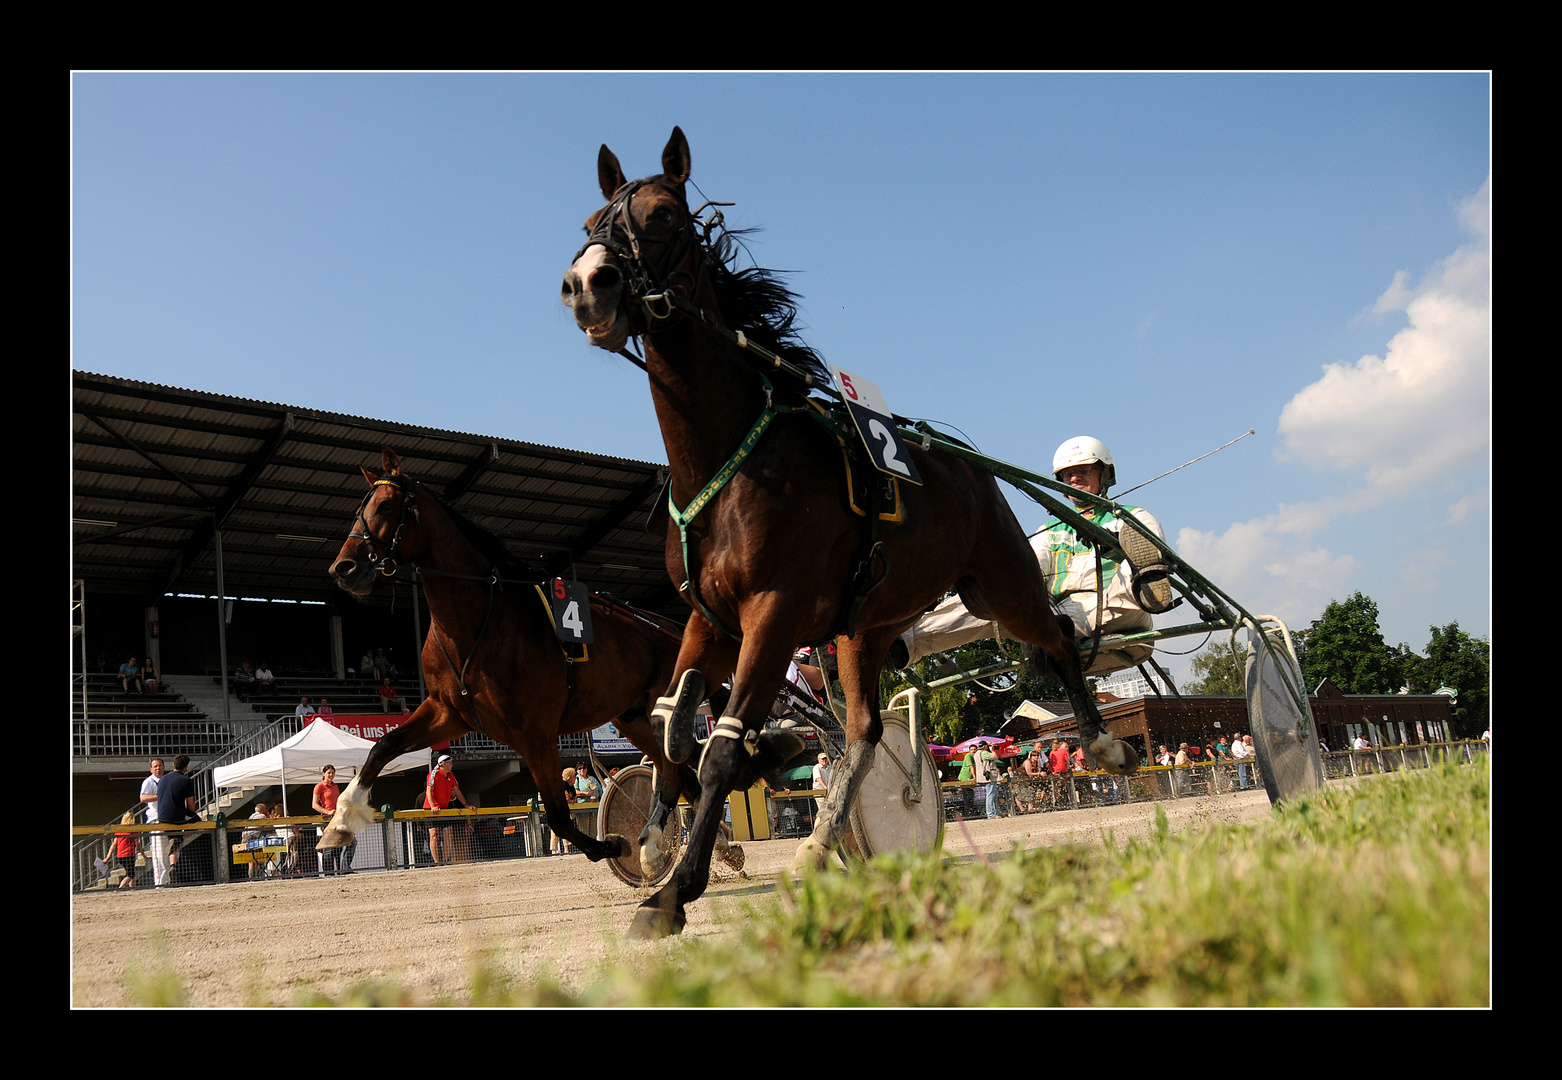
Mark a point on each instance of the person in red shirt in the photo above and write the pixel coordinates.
(440, 788)
(389, 697)
(327, 792)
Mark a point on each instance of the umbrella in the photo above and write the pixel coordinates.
(940, 754)
(1004, 748)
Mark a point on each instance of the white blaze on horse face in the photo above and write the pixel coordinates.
(595, 298)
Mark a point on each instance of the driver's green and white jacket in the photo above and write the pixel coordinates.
(1069, 565)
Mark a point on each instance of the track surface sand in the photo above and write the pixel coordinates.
(562, 918)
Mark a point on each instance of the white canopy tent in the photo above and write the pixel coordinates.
(298, 760)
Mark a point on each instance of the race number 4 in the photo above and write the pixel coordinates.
(876, 426)
(571, 607)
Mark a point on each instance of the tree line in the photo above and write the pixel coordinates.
(1346, 646)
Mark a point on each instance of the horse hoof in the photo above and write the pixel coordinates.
(810, 858)
(733, 856)
(615, 846)
(1121, 760)
(334, 838)
(652, 922)
(653, 853)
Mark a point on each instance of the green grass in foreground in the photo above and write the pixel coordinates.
(1376, 893)
(1371, 894)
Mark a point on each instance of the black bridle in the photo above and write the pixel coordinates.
(652, 286)
(385, 556)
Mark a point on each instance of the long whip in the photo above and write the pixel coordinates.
(1185, 464)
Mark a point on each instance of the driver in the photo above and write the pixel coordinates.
(1072, 570)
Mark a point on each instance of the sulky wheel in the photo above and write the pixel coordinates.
(626, 805)
(885, 817)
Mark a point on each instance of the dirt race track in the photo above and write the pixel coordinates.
(561, 917)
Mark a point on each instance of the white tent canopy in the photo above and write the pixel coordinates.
(299, 759)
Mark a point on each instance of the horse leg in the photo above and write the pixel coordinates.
(860, 659)
(704, 660)
(671, 781)
(734, 757)
(542, 757)
(1012, 591)
(432, 722)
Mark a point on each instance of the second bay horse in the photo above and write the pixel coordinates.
(769, 548)
(492, 662)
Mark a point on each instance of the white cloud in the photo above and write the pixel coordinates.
(1423, 408)
(1477, 502)
(1268, 569)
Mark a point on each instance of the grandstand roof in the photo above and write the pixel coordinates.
(158, 468)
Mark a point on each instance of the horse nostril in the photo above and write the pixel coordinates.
(606, 278)
(571, 288)
(344, 568)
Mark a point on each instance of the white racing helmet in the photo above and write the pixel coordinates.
(1083, 450)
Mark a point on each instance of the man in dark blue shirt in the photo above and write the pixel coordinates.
(176, 803)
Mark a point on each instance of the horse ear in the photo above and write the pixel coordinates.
(609, 175)
(390, 462)
(675, 157)
(369, 476)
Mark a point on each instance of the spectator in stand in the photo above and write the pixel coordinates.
(366, 664)
(439, 792)
(150, 684)
(305, 708)
(1222, 751)
(389, 697)
(159, 840)
(265, 682)
(323, 802)
(130, 675)
(243, 680)
(325, 707)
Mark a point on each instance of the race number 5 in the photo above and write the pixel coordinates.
(876, 426)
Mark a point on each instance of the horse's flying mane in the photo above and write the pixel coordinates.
(755, 301)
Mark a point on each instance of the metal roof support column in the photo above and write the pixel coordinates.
(222, 626)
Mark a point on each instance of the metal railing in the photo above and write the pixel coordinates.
(283, 848)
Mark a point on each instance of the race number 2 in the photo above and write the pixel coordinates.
(876, 426)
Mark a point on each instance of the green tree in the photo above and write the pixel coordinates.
(1455, 659)
(1220, 669)
(1347, 647)
(955, 713)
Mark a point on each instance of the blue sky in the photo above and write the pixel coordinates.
(1160, 261)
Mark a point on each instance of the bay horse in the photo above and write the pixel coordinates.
(492, 662)
(771, 551)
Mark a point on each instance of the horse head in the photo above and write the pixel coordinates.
(642, 245)
(385, 525)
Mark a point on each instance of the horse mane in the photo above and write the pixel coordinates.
(755, 301)
(487, 544)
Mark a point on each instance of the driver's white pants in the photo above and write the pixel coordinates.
(950, 625)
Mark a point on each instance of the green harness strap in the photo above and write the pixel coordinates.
(685, 517)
